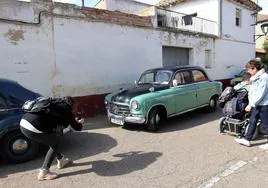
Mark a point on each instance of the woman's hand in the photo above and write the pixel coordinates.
(79, 120)
(248, 108)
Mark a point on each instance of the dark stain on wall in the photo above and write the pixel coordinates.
(14, 36)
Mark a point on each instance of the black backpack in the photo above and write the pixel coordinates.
(40, 104)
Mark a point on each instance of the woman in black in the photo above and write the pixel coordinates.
(46, 127)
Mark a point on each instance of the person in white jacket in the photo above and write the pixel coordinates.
(258, 100)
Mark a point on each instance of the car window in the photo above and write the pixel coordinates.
(199, 76)
(186, 77)
(162, 77)
(147, 78)
(158, 77)
(3, 103)
(183, 77)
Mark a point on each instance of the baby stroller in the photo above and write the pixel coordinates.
(235, 120)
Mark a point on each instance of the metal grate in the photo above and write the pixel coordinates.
(119, 109)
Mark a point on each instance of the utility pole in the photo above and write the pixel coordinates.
(83, 3)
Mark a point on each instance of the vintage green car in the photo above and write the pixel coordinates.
(161, 93)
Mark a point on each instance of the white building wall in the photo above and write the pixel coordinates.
(27, 53)
(109, 56)
(12, 9)
(205, 8)
(236, 45)
(244, 33)
(231, 57)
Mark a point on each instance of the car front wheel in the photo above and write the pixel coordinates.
(153, 120)
(18, 148)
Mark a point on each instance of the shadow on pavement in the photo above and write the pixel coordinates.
(129, 162)
(183, 121)
(75, 145)
(189, 120)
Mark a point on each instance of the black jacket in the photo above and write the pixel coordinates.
(60, 114)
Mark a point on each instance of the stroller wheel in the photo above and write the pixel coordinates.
(222, 124)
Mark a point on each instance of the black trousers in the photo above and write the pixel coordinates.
(259, 112)
(51, 140)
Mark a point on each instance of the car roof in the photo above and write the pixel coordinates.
(10, 88)
(7, 81)
(174, 68)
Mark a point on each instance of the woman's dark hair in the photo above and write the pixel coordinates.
(69, 100)
(246, 76)
(253, 63)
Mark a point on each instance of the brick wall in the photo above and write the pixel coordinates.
(116, 17)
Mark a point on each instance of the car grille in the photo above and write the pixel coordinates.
(119, 109)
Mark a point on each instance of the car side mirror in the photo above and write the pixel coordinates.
(174, 83)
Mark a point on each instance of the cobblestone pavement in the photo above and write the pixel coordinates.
(187, 152)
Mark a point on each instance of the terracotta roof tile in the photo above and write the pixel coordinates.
(260, 50)
(262, 17)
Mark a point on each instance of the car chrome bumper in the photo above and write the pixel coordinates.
(128, 119)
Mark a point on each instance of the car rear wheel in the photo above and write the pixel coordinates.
(154, 120)
(212, 104)
(18, 148)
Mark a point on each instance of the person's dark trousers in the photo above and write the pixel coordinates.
(260, 112)
(50, 140)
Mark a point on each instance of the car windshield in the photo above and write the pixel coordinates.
(157, 77)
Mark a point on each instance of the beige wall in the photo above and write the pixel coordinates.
(101, 5)
(259, 41)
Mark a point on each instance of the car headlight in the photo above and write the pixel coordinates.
(106, 104)
(135, 105)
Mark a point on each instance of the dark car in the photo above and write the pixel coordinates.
(15, 147)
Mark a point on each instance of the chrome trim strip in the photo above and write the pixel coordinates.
(188, 110)
(120, 103)
(128, 119)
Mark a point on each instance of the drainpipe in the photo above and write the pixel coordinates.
(220, 19)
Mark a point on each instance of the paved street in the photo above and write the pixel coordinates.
(187, 152)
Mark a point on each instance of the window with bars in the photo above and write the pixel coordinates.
(238, 14)
(208, 61)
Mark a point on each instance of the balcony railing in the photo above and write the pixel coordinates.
(176, 20)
